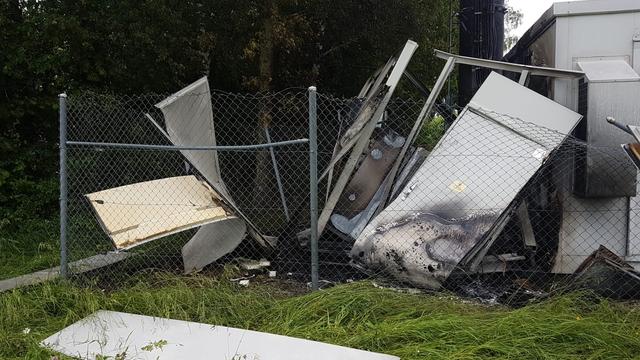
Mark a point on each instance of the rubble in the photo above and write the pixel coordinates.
(395, 209)
(607, 275)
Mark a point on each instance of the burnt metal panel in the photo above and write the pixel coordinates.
(370, 174)
(459, 199)
(357, 137)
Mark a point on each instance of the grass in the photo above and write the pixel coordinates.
(27, 245)
(358, 315)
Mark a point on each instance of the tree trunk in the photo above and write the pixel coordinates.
(264, 192)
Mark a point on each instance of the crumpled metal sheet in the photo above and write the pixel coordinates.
(608, 275)
(356, 139)
(211, 242)
(189, 121)
(435, 247)
(188, 118)
(137, 213)
(469, 181)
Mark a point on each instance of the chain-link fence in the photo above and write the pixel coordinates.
(491, 206)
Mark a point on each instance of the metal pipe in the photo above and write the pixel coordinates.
(611, 120)
(178, 148)
(63, 186)
(313, 185)
(277, 174)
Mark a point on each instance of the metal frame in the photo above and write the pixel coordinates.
(313, 185)
(424, 113)
(178, 148)
(64, 267)
(276, 172)
(505, 66)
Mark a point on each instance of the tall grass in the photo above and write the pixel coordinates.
(359, 315)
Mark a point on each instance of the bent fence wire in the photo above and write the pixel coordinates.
(519, 226)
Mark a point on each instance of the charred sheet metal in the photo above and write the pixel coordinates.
(211, 242)
(366, 181)
(461, 197)
(357, 137)
(137, 213)
(110, 334)
(608, 275)
(422, 249)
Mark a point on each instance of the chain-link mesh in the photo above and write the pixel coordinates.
(136, 208)
(518, 227)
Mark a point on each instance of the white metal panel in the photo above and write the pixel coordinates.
(500, 95)
(189, 120)
(188, 117)
(587, 224)
(465, 185)
(592, 7)
(109, 334)
(137, 213)
(608, 71)
(213, 241)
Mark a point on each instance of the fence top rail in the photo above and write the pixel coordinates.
(178, 148)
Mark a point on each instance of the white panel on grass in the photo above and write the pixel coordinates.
(112, 334)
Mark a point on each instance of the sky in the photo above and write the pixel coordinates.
(531, 10)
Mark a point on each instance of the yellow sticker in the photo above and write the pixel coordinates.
(457, 186)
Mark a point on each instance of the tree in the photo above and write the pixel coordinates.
(512, 20)
(133, 46)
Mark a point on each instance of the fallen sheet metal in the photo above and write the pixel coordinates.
(134, 214)
(211, 242)
(127, 336)
(357, 137)
(451, 211)
(188, 116)
(608, 275)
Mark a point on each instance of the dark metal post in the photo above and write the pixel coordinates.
(313, 184)
(63, 186)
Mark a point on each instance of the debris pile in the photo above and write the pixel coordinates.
(425, 219)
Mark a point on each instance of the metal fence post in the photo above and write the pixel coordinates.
(63, 186)
(313, 184)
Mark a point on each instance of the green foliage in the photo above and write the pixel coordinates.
(358, 315)
(431, 133)
(51, 46)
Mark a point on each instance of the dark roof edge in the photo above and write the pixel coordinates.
(530, 36)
